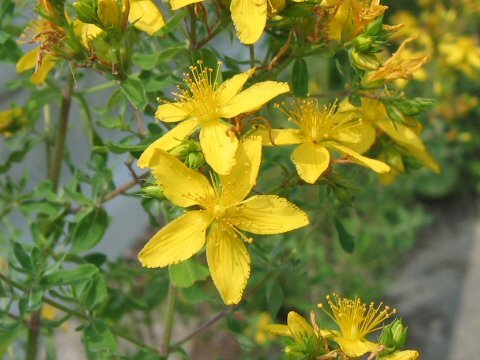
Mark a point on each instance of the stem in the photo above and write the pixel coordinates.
(252, 55)
(140, 127)
(202, 327)
(171, 302)
(47, 118)
(33, 332)
(62, 132)
(193, 28)
(101, 87)
(127, 186)
(77, 314)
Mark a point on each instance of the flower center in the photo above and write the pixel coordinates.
(201, 99)
(320, 125)
(355, 318)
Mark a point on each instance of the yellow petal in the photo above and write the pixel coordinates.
(145, 16)
(171, 112)
(219, 146)
(267, 214)
(176, 242)
(401, 134)
(233, 86)
(425, 158)
(299, 327)
(249, 18)
(229, 263)
(181, 185)
(253, 98)
(8, 116)
(278, 329)
(48, 63)
(168, 141)
(177, 4)
(280, 136)
(86, 32)
(311, 161)
(402, 355)
(375, 165)
(28, 61)
(366, 134)
(243, 176)
(356, 348)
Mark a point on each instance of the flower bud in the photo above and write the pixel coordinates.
(395, 114)
(275, 6)
(109, 13)
(394, 335)
(190, 153)
(374, 27)
(363, 61)
(86, 11)
(362, 42)
(153, 192)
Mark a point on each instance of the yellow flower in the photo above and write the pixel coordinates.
(224, 213)
(322, 130)
(462, 53)
(356, 320)
(203, 106)
(374, 112)
(297, 328)
(398, 66)
(352, 17)
(402, 355)
(43, 57)
(10, 120)
(248, 16)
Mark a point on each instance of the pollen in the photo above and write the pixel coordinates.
(319, 124)
(201, 98)
(354, 318)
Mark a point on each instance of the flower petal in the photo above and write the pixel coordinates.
(253, 98)
(249, 18)
(402, 355)
(233, 86)
(375, 165)
(278, 329)
(171, 112)
(177, 241)
(177, 4)
(365, 134)
(47, 65)
(400, 133)
(311, 161)
(280, 136)
(168, 141)
(356, 348)
(145, 16)
(28, 61)
(229, 263)
(267, 214)
(299, 327)
(218, 146)
(243, 176)
(181, 185)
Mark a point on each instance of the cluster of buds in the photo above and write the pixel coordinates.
(108, 15)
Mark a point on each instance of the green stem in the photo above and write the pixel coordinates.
(47, 118)
(171, 302)
(101, 87)
(252, 55)
(33, 331)
(77, 314)
(62, 132)
(193, 27)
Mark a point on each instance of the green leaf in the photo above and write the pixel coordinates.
(35, 300)
(134, 91)
(99, 338)
(186, 273)
(22, 256)
(275, 296)
(150, 61)
(120, 148)
(300, 78)
(295, 9)
(346, 240)
(9, 334)
(89, 230)
(70, 277)
(96, 292)
(17, 156)
(196, 295)
(174, 21)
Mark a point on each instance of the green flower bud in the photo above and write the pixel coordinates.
(362, 42)
(153, 192)
(190, 153)
(394, 335)
(86, 11)
(363, 61)
(374, 27)
(395, 113)
(194, 160)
